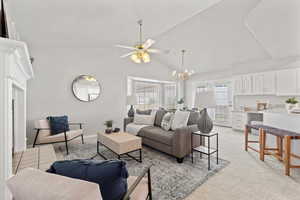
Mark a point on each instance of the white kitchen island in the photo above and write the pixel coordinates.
(286, 121)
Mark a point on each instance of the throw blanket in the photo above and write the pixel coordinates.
(134, 128)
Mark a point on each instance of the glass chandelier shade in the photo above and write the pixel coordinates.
(185, 74)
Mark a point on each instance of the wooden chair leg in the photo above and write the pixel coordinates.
(279, 146)
(246, 138)
(262, 144)
(287, 156)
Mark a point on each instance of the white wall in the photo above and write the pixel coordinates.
(55, 68)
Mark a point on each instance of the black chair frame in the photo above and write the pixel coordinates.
(65, 133)
(137, 181)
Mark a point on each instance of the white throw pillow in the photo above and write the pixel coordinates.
(167, 120)
(144, 119)
(180, 119)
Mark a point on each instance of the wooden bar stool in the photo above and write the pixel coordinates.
(282, 152)
(288, 154)
(264, 150)
(283, 146)
(248, 128)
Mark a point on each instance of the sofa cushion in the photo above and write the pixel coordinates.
(34, 184)
(193, 118)
(110, 175)
(143, 112)
(59, 137)
(157, 134)
(144, 119)
(134, 129)
(58, 124)
(159, 117)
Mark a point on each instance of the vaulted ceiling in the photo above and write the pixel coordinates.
(217, 34)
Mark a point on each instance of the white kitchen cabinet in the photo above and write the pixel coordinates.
(269, 83)
(247, 84)
(239, 120)
(238, 85)
(286, 82)
(258, 84)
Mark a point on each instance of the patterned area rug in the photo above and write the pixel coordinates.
(170, 180)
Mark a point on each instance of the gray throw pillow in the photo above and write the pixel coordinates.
(159, 117)
(167, 121)
(143, 112)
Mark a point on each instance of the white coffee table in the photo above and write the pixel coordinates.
(120, 143)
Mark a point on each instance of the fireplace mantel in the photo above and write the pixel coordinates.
(15, 70)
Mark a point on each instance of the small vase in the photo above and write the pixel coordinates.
(108, 130)
(290, 106)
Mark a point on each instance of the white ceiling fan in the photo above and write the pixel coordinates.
(141, 51)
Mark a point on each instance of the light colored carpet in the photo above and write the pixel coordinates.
(247, 178)
(170, 180)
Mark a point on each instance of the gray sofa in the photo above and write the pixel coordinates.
(176, 143)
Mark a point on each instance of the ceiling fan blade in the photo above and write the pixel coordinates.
(148, 44)
(128, 54)
(158, 51)
(126, 47)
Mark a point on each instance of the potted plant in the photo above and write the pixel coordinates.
(291, 103)
(108, 124)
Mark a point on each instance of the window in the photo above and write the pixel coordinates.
(152, 94)
(148, 95)
(170, 96)
(221, 114)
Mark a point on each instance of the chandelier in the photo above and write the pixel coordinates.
(185, 74)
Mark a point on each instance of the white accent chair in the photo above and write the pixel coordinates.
(33, 184)
(43, 134)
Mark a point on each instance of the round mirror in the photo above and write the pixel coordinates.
(86, 88)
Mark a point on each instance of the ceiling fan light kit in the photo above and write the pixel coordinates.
(140, 56)
(141, 52)
(185, 74)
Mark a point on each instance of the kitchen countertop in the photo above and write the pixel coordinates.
(272, 111)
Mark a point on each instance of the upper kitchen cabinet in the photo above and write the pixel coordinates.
(247, 84)
(238, 85)
(243, 85)
(258, 84)
(287, 82)
(269, 83)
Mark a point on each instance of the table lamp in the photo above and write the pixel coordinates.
(131, 100)
(204, 100)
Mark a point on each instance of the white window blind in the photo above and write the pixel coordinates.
(152, 94)
(148, 95)
(170, 96)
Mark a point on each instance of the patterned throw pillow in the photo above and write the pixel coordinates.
(167, 120)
